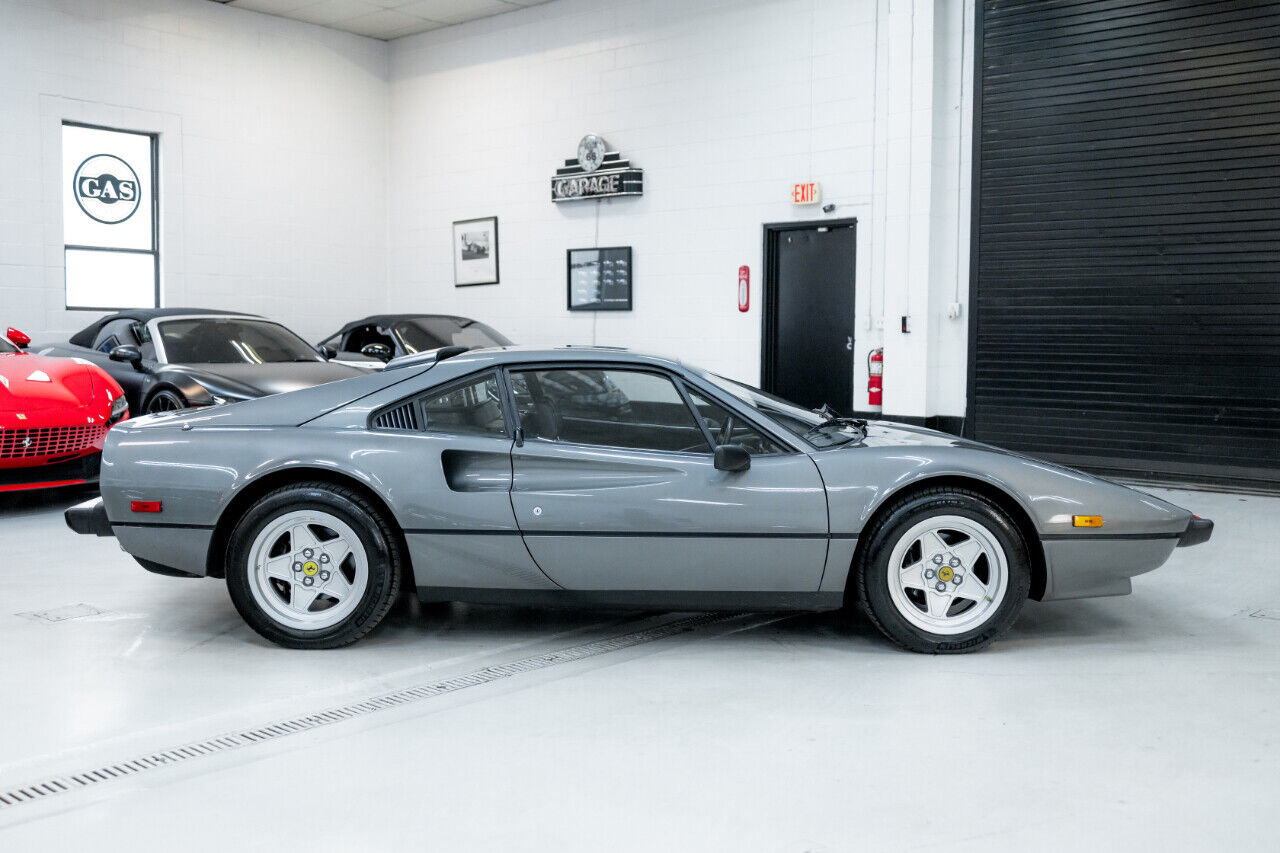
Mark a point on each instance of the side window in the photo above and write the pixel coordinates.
(727, 428)
(473, 409)
(108, 344)
(612, 408)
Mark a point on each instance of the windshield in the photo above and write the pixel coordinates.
(5, 346)
(428, 333)
(232, 341)
(801, 422)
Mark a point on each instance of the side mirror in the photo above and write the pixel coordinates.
(327, 351)
(127, 353)
(19, 339)
(382, 352)
(732, 457)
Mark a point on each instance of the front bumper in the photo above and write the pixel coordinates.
(1198, 530)
(89, 518)
(83, 469)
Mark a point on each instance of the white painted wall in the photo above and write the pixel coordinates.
(313, 175)
(724, 105)
(273, 153)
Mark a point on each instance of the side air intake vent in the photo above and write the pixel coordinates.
(404, 416)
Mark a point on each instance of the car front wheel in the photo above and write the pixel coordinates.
(945, 571)
(313, 566)
(165, 401)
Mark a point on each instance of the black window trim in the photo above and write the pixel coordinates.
(784, 449)
(508, 417)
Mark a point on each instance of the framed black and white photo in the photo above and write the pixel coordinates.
(475, 251)
(600, 279)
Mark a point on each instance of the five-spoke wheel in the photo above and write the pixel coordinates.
(308, 568)
(313, 565)
(951, 572)
(943, 570)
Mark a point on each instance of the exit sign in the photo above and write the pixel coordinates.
(810, 193)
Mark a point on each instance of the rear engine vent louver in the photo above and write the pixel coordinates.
(404, 416)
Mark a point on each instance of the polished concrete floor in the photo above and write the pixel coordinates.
(1145, 722)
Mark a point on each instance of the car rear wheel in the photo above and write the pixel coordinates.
(945, 570)
(165, 401)
(313, 566)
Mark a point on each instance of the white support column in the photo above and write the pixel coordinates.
(908, 225)
(920, 208)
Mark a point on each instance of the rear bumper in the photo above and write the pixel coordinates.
(89, 518)
(1198, 530)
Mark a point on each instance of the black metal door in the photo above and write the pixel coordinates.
(1126, 290)
(808, 309)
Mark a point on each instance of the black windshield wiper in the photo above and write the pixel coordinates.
(831, 419)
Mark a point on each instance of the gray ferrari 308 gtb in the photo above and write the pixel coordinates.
(603, 477)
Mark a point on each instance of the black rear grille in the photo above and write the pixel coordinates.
(404, 416)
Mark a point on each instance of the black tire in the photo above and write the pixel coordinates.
(164, 400)
(376, 535)
(873, 566)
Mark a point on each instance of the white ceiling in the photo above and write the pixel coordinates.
(382, 19)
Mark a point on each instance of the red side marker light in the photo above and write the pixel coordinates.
(144, 506)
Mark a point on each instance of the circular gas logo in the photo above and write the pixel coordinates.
(107, 189)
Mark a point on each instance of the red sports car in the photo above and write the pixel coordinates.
(54, 413)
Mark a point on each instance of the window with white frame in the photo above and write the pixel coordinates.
(110, 218)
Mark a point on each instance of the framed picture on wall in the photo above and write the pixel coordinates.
(475, 251)
(600, 279)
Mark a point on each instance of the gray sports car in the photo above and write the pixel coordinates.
(604, 477)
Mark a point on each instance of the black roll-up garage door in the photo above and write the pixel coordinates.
(1127, 235)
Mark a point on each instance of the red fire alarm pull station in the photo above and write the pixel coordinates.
(744, 288)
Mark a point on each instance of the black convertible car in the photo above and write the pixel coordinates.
(173, 358)
(375, 340)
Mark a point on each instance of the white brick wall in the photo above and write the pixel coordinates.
(724, 105)
(273, 152)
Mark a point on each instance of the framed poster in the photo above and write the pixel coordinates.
(600, 279)
(475, 251)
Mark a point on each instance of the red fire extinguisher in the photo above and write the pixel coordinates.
(875, 378)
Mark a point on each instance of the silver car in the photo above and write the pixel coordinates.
(604, 477)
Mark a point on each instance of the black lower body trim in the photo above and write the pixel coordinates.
(1109, 537)
(624, 534)
(637, 598)
(163, 524)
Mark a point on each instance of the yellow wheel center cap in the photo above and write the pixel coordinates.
(944, 573)
(309, 568)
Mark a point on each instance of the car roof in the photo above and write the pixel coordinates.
(531, 354)
(86, 336)
(387, 319)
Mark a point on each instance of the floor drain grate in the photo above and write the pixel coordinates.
(283, 728)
